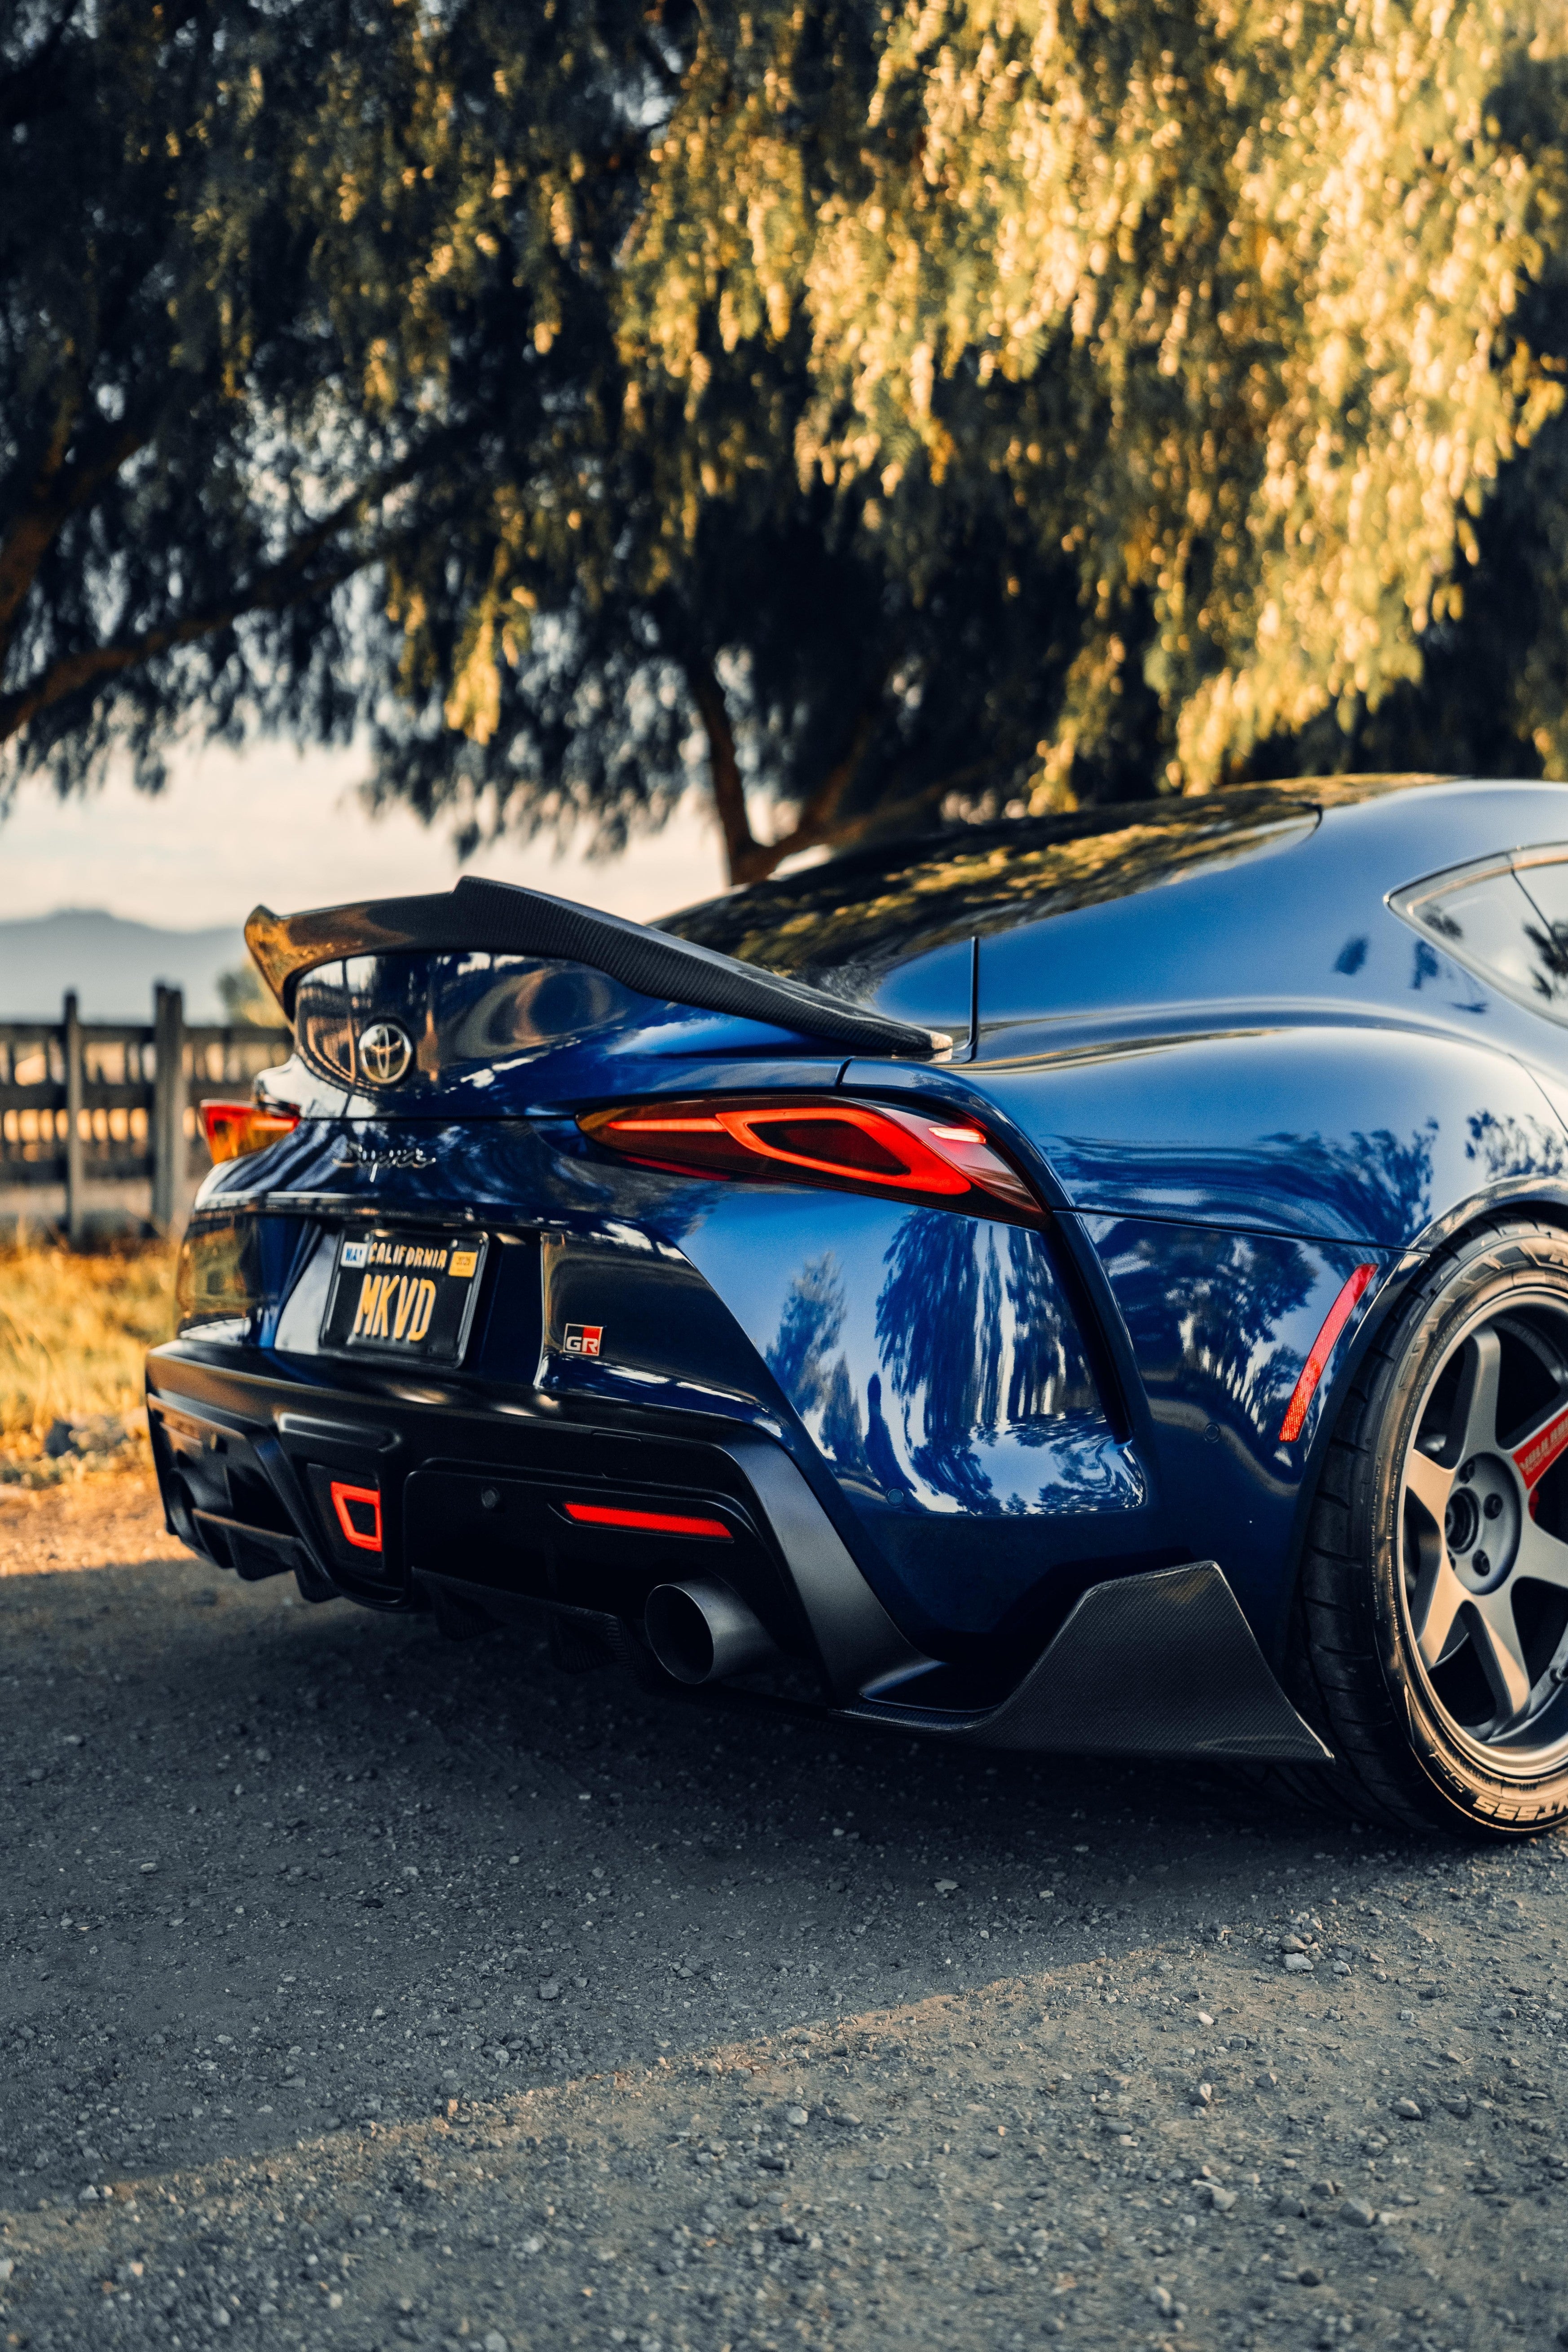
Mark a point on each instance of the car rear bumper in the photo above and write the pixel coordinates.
(475, 1500)
(499, 1507)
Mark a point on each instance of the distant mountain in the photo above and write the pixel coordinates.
(112, 966)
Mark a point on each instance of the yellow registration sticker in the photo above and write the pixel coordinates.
(463, 1264)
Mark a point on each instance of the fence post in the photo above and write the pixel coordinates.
(76, 1205)
(168, 1137)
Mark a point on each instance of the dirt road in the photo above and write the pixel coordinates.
(360, 1990)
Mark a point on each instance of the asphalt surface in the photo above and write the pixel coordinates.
(361, 1990)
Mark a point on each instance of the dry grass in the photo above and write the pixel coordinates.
(92, 1517)
(73, 1331)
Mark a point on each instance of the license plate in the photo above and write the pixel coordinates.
(404, 1294)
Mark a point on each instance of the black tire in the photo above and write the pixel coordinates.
(1421, 1533)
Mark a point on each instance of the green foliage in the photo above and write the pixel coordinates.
(960, 405)
(1248, 307)
(186, 472)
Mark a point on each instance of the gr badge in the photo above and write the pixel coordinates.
(584, 1338)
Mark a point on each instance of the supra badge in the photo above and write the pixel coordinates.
(584, 1339)
(384, 1053)
(384, 1155)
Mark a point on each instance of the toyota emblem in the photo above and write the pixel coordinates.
(384, 1053)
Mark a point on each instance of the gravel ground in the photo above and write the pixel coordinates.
(360, 1990)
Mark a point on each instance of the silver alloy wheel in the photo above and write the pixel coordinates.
(1482, 1521)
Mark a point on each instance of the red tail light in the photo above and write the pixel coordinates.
(851, 1146)
(233, 1129)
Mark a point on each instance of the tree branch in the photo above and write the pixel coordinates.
(741, 848)
(60, 487)
(886, 817)
(815, 824)
(71, 672)
(818, 825)
(285, 583)
(750, 860)
(816, 816)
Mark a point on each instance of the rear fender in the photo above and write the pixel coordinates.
(937, 1366)
(1334, 1133)
(1221, 1325)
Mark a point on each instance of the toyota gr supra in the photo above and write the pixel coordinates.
(1097, 1284)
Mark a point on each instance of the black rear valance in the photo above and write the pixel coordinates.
(501, 919)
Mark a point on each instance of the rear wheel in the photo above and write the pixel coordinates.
(1430, 1633)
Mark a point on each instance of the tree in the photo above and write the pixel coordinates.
(154, 359)
(227, 283)
(876, 410)
(247, 1001)
(718, 583)
(642, 571)
(1249, 308)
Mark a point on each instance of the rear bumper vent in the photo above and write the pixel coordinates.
(547, 1539)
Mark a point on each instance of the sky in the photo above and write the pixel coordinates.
(266, 824)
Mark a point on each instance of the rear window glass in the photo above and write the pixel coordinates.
(1506, 920)
(455, 1009)
(852, 919)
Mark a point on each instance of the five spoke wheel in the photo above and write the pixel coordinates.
(1485, 1573)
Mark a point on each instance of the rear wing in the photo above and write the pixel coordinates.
(501, 919)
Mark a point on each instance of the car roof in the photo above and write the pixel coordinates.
(857, 917)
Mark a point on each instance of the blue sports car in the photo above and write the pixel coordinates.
(1097, 1284)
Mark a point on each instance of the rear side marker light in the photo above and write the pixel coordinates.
(861, 1146)
(359, 1515)
(648, 1523)
(1312, 1371)
(235, 1129)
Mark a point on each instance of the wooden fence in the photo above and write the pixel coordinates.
(95, 1103)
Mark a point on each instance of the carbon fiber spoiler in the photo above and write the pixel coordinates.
(500, 919)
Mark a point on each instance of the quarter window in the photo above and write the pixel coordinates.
(1506, 919)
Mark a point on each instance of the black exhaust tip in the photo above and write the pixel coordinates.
(702, 1632)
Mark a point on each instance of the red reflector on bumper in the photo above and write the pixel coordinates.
(359, 1515)
(1339, 1315)
(648, 1523)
